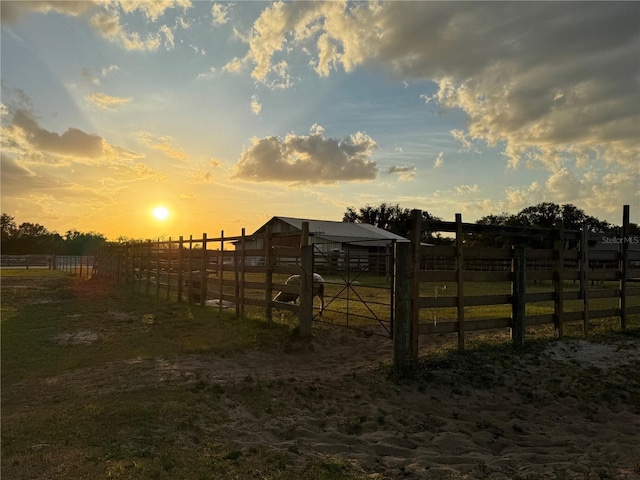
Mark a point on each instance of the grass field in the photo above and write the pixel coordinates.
(54, 326)
(103, 382)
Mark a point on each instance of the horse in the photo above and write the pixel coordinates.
(318, 290)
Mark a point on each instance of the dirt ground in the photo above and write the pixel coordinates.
(544, 415)
(563, 410)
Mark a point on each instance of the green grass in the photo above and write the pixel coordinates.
(366, 304)
(88, 391)
(504, 288)
(128, 325)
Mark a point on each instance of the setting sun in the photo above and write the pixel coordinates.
(161, 213)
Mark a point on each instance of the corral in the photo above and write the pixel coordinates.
(424, 290)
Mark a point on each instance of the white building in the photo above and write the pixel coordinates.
(337, 244)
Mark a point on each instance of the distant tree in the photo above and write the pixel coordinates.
(78, 243)
(392, 218)
(488, 240)
(8, 224)
(33, 238)
(543, 215)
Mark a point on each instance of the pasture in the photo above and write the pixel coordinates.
(101, 381)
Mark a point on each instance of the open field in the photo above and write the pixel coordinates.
(100, 382)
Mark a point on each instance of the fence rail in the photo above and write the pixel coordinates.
(204, 271)
(545, 286)
(77, 265)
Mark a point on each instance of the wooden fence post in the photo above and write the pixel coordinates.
(180, 267)
(148, 286)
(414, 288)
(119, 263)
(203, 272)
(391, 272)
(236, 284)
(460, 280)
(190, 272)
(306, 290)
(221, 271)
(584, 277)
(127, 263)
(518, 295)
(243, 266)
(558, 280)
(268, 294)
(404, 359)
(141, 266)
(169, 265)
(158, 269)
(624, 267)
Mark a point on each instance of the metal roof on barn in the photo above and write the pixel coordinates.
(333, 231)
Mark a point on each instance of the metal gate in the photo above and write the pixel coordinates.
(359, 285)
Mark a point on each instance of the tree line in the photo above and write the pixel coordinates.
(33, 238)
(545, 215)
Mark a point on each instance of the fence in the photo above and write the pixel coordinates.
(424, 271)
(205, 271)
(433, 289)
(77, 265)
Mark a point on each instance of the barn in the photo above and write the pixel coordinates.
(336, 244)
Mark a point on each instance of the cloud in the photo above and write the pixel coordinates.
(439, 161)
(310, 159)
(464, 189)
(109, 26)
(163, 144)
(255, 105)
(169, 42)
(200, 176)
(210, 74)
(90, 77)
(13, 11)
(463, 138)
(105, 18)
(405, 173)
(13, 171)
(341, 34)
(152, 10)
(220, 13)
(143, 171)
(106, 101)
(521, 87)
(591, 190)
(564, 186)
(234, 66)
(23, 139)
(25, 133)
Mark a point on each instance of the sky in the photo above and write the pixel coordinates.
(230, 113)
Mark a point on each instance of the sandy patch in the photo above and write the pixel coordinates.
(216, 302)
(82, 337)
(601, 355)
(546, 414)
(118, 315)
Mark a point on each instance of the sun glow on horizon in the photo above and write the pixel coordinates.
(161, 213)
